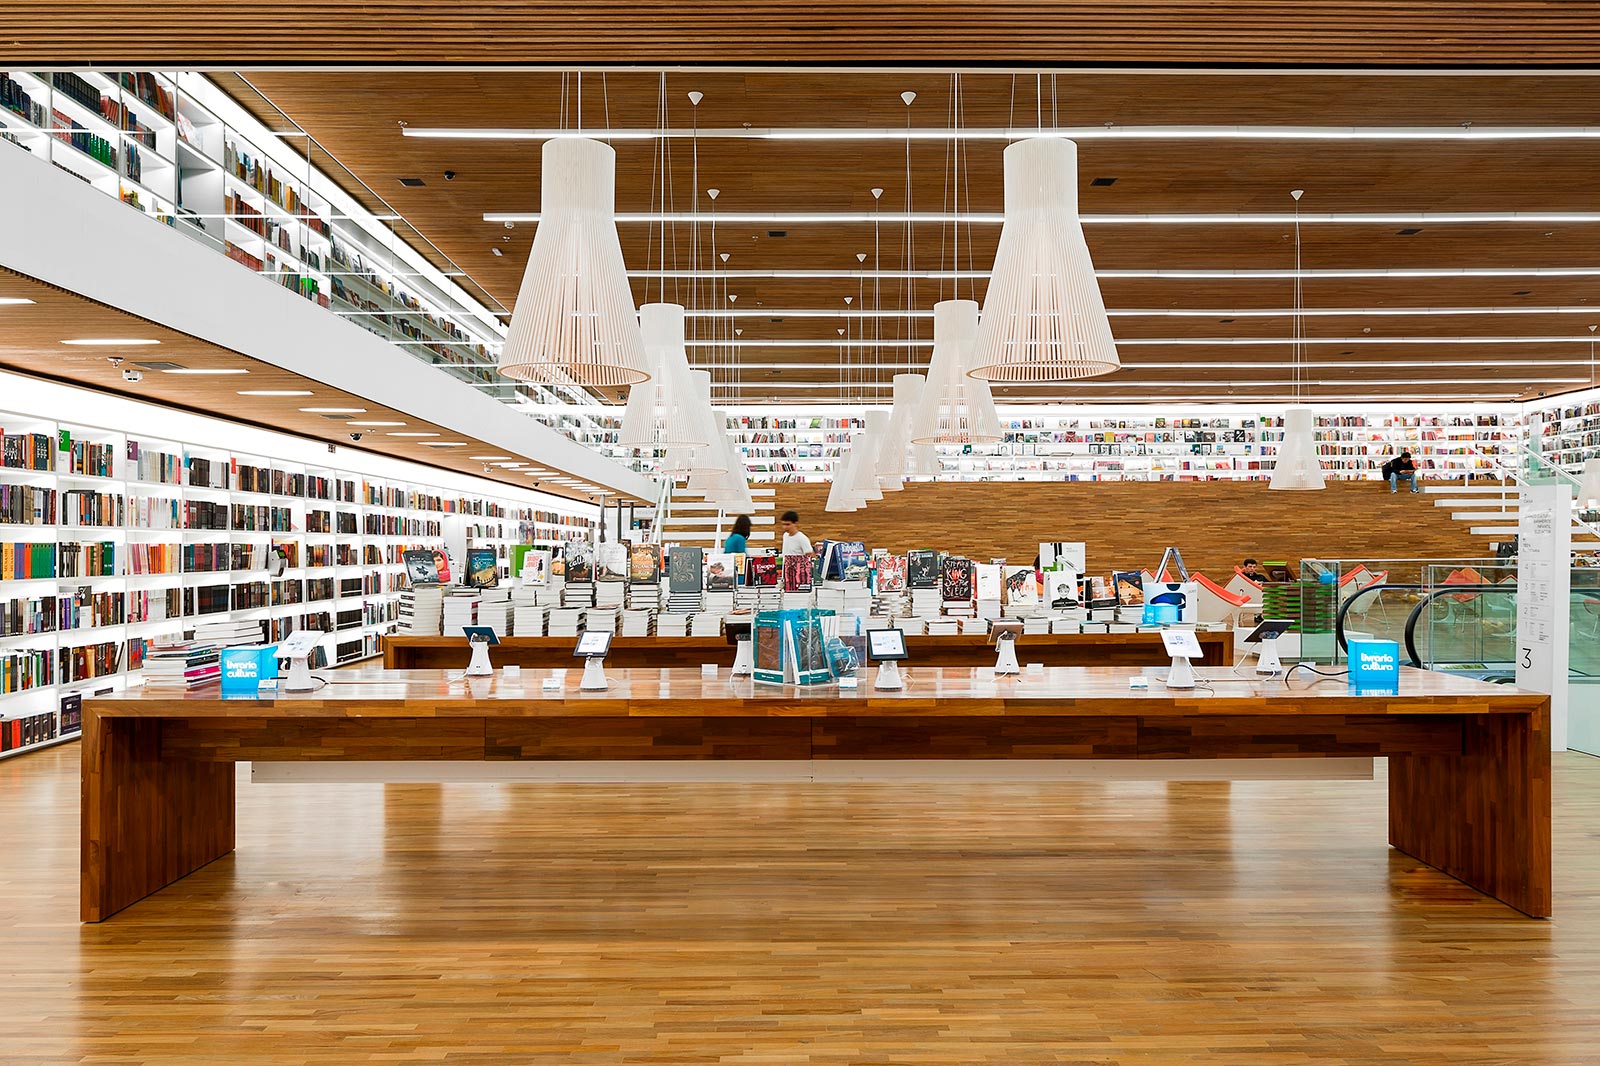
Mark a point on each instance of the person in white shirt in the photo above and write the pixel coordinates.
(794, 541)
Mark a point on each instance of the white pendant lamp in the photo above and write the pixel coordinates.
(663, 412)
(1297, 466)
(864, 479)
(956, 408)
(574, 320)
(839, 495)
(684, 460)
(1043, 316)
(892, 464)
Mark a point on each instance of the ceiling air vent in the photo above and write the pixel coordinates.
(160, 366)
(1410, 231)
(412, 183)
(777, 233)
(1103, 182)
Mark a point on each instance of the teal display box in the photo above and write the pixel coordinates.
(245, 668)
(1374, 667)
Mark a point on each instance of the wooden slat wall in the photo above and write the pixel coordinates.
(786, 31)
(1127, 524)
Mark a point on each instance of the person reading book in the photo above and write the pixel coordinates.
(794, 541)
(738, 542)
(1401, 469)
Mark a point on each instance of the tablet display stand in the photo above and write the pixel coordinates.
(480, 666)
(1006, 661)
(888, 678)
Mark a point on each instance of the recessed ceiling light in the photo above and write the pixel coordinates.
(201, 371)
(13, 301)
(497, 251)
(333, 410)
(274, 392)
(373, 423)
(413, 434)
(488, 458)
(109, 342)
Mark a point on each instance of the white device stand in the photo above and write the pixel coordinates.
(1267, 658)
(1182, 675)
(479, 666)
(594, 675)
(299, 679)
(888, 676)
(1006, 662)
(744, 660)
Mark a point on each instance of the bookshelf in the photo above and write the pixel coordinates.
(111, 539)
(1147, 444)
(1566, 432)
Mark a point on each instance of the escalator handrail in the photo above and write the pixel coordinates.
(1441, 590)
(1375, 587)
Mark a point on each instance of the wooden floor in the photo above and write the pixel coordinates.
(1256, 923)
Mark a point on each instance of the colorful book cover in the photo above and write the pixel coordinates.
(580, 563)
(889, 573)
(768, 631)
(1022, 585)
(988, 582)
(1069, 554)
(483, 569)
(611, 562)
(762, 571)
(441, 564)
(721, 575)
(535, 569)
(644, 564)
(684, 566)
(854, 561)
(797, 572)
(1101, 592)
(1129, 585)
(1061, 588)
(420, 569)
(808, 648)
(956, 579)
(922, 569)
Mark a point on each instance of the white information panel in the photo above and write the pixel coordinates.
(1544, 573)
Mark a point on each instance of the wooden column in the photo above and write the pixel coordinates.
(147, 820)
(1482, 816)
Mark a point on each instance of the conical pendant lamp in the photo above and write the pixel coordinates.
(574, 320)
(1297, 466)
(663, 412)
(896, 438)
(839, 495)
(1043, 316)
(955, 408)
(682, 460)
(864, 478)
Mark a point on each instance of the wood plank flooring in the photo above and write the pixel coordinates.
(1125, 923)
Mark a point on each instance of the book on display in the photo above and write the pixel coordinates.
(483, 568)
(669, 624)
(889, 574)
(564, 621)
(579, 560)
(184, 663)
(797, 575)
(922, 569)
(536, 567)
(420, 567)
(636, 623)
(229, 634)
(1060, 589)
(644, 564)
(721, 572)
(420, 610)
(460, 610)
(611, 563)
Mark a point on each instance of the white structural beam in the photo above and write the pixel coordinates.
(81, 240)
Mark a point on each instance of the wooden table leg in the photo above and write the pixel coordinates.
(1482, 816)
(146, 821)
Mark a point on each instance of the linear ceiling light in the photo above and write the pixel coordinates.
(110, 342)
(1180, 274)
(992, 218)
(1077, 133)
(201, 371)
(1148, 342)
(333, 410)
(274, 392)
(14, 301)
(1186, 312)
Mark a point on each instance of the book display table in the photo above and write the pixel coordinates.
(1469, 763)
(402, 652)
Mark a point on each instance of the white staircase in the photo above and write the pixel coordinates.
(694, 522)
(1492, 509)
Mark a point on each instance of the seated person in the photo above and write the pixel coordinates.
(1252, 570)
(1402, 469)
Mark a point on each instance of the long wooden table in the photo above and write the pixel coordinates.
(666, 653)
(1469, 770)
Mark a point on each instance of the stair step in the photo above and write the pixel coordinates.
(1483, 516)
(1477, 489)
(1493, 531)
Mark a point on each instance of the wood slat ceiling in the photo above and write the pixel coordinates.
(1374, 33)
(30, 342)
(356, 119)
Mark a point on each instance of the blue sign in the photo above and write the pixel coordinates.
(1374, 667)
(245, 668)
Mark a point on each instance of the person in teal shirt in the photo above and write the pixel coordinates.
(738, 541)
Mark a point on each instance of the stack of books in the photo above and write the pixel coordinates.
(527, 620)
(925, 603)
(187, 663)
(669, 624)
(610, 593)
(420, 609)
(636, 623)
(705, 624)
(494, 611)
(942, 627)
(564, 621)
(228, 634)
(644, 597)
(460, 609)
(601, 619)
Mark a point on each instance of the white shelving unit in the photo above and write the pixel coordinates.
(1089, 444)
(183, 541)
